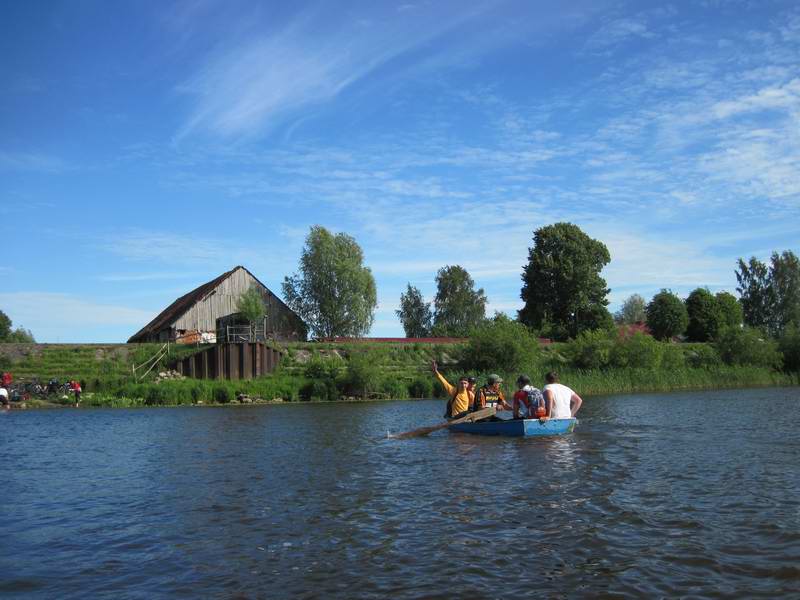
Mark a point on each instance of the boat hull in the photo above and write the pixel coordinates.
(517, 427)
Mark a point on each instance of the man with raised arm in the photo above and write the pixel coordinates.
(460, 396)
(562, 402)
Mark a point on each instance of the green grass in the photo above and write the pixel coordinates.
(318, 371)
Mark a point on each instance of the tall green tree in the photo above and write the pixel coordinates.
(458, 306)
(5, 326)
(414, 313)
(251, 305)
(632, 310)
(756, 292)
(705, 316)
(785, 276)
(770, 295)
(666, 315)
(334, 293)
(730, 309)
(562, 288)
(19, 335)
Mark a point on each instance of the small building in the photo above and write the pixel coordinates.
(194, 317)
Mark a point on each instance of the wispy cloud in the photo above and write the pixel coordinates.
(143, 245)
(22, 161)
(250, 87)
(783, 98)
(618, 31)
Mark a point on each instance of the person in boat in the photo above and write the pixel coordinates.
(491, 395)
(529, 403)
(562, 402)
(460, 396)
(471, 381)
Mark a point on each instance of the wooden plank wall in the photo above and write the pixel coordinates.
(230, 361)
(281, 322)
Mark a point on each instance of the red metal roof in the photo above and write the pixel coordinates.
(398, 340)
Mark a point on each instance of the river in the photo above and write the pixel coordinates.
(658, 495)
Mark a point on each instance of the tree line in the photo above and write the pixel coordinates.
(562, 289)
(563, 292)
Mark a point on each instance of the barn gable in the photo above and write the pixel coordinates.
(194, 316)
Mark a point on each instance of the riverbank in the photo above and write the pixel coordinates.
(336, 372)
(289, 389)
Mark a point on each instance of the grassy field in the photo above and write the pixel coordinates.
(323, 371)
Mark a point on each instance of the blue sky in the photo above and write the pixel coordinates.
(146, 147)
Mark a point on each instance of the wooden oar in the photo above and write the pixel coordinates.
(473, 416)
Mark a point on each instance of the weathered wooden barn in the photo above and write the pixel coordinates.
(196, 316)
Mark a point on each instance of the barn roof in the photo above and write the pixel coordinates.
(178, 308)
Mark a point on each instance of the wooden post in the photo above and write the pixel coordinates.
(219, 361)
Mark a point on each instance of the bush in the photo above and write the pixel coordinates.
(789, 345)
(324, 367)
(156, 395)
(421, 387)
(748, 347)
(221, 394)
(363, 373)
(590, 350)
(702, 356)
(395, 388)
(320, 390)
(672, 357)
(639, 351)
(501, 345)
(198, 392)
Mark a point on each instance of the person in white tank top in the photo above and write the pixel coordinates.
(562, 402)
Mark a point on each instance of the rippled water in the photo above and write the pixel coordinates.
(692, 495)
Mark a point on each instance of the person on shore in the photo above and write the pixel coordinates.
(460, 396)
(76, 389)
(562, 402)
(529, 403)
(491, 395)
(5, 380)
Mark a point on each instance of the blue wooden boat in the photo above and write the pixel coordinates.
(517, 427)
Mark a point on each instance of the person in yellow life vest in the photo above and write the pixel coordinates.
(460, 396)
(491, 395)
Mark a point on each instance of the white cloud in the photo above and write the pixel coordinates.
(617, 32)
(785, 97)
(251, 86)
(39, 311)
